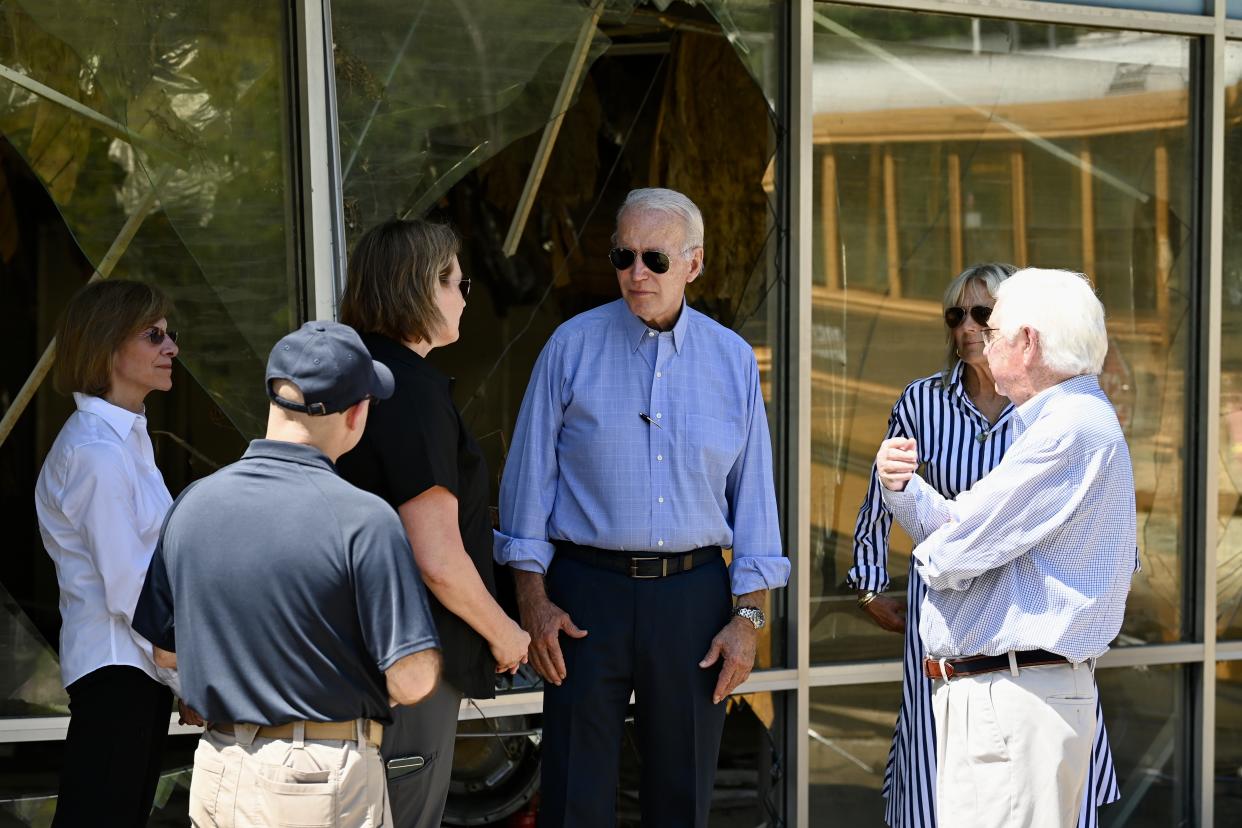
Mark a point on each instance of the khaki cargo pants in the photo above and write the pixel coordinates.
(244, 781)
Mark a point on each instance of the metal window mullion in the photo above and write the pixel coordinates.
(319, 159)
(1062, 14)
(799, 185)
(1206, 394)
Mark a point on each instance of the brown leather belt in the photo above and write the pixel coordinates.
(975, 665)
(641, 566)
(373, 732)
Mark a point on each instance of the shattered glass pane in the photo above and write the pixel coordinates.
(427, 91)
(944, 141)
(184, 99)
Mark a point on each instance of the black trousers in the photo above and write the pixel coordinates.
(645, 637)
(427, 729)
(117, 728)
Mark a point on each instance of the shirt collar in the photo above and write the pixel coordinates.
(120, 419)
(636, 328)
(1027, 413)
(290, 452)
(390, 351)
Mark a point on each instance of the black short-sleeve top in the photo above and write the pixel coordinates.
(413, 441)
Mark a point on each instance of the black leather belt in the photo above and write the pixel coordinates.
(642, 565)
(975, 665)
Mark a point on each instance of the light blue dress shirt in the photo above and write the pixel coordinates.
(585, 466)
(1039, 553)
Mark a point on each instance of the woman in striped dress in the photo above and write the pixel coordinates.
(962, 427)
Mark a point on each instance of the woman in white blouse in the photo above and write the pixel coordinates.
(101, 502)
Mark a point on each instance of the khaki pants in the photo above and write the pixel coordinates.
(245, 782)
(1013, 751)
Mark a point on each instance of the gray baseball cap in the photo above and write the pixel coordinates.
(329, 364)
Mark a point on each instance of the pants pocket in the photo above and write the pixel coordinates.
(205, 784)
(297, 798)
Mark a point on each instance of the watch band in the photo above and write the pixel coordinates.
(752, 614)
(867, 597)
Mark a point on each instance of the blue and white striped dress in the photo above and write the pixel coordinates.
(957, 446)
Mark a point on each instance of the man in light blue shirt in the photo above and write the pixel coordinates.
(1027, 571)
(641, 450)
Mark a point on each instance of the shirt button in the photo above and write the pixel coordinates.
(650, 333)
(659, 543)
(660, 499)
(658, 415)
(659, 456)
(659, 374)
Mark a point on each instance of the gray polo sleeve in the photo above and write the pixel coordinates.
(392, 603)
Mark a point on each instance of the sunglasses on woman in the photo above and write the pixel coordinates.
(622, 258)
(955, 316)
(156, 337)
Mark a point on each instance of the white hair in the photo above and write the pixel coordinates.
(1062, 306)
(668, 201)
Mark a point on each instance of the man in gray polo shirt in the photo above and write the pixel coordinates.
(290, 602)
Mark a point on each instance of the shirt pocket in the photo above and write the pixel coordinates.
(714, 442)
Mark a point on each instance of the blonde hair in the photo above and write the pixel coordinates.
(989, 276)
(95, 324)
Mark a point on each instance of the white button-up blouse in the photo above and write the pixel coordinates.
(101, 502)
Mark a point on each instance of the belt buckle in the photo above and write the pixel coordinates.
(634, 567)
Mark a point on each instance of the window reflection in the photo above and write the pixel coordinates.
(1228, 770)
(942, 142)
(850, 734)
(1229, 469)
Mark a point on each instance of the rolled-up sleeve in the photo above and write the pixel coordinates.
(528, 487)
(758, 559)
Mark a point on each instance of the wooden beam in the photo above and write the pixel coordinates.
(573, 73)
(1086, 193)
(830, 218)
(1164, 252)
(956, 256)
(1017, 189)
(892, 246)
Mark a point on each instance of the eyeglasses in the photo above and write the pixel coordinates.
(956, 316)
(622, 258)
(990, 335)
(156, 337)
(462, 284)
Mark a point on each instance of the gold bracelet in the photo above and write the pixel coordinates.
(866, 598)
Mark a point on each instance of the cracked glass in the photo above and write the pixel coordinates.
(454, 111)
(944, 141)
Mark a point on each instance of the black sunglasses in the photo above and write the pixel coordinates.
(463, 285)
(156, 337)
(622, 258)
(956, 316)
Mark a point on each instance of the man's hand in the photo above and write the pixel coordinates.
(888, 613)
(736, 645)
(188, 716)
(510, 651)
(896, 462)
(545, 621)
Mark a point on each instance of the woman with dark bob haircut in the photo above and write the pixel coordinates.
(405, 296)
(101, 502)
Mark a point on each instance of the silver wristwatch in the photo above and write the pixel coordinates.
(752, 614)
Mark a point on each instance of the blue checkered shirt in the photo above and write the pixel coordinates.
(1039, 553)
(585, 467)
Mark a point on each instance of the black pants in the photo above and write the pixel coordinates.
(118, 724)
(645, 637)
(427, 729)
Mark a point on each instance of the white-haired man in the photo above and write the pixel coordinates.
(641, 449)
(1028, 571)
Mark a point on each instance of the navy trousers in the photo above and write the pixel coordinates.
(645, 637)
